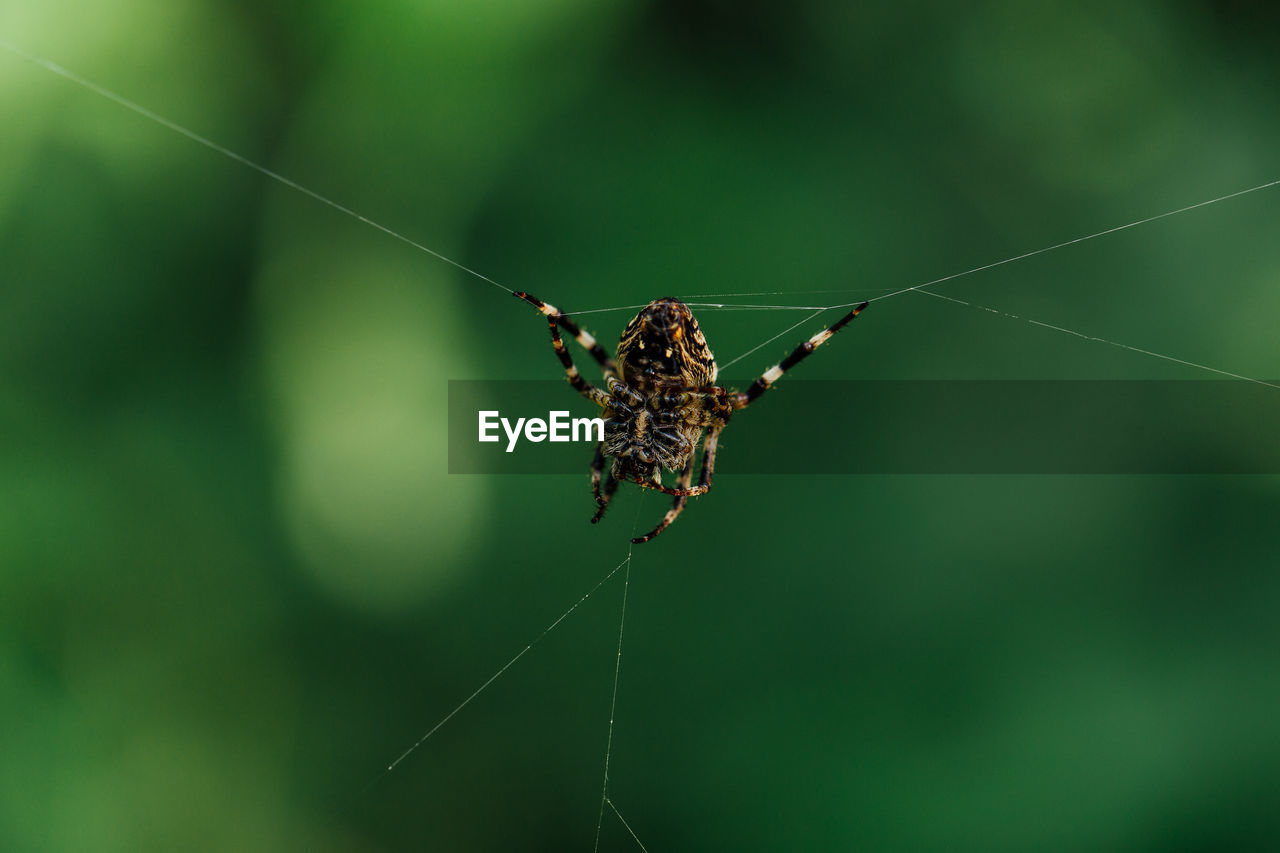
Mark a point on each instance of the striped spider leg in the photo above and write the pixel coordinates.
(557, 319)
(765, 381)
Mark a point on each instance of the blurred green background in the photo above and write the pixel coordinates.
(236, 580)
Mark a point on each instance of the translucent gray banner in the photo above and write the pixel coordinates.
(914, 427)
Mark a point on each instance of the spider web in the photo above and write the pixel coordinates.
(809, 315)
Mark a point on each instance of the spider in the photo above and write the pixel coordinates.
(661, 397)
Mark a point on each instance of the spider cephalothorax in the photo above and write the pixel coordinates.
(661, 397)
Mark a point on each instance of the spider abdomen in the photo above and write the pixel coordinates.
(663, 346)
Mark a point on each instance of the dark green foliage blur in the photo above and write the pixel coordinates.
(237, 581)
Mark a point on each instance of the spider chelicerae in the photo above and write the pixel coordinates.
(661, 397)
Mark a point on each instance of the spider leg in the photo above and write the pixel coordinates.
(610, 484)
(602, 500)
(691, 492)
(682, 490)
(583, 337)
(713, 404)
(745, 398)
(709, 457)
(582, 386)
(677, 505)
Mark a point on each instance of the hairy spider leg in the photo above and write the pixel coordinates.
(745, 398)
(584, 338)
(555, 318)
(677, 505)
(582, 386)
(682, 490)
(692, 492)
(610, 483)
